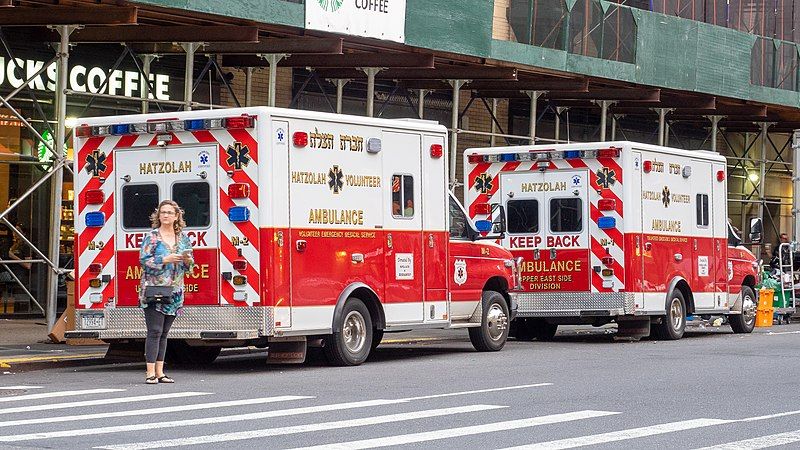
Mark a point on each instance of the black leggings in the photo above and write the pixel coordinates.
(158, 324)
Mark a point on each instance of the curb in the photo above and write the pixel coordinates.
(8, 363)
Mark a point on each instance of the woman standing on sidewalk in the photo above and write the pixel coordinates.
(166, 256)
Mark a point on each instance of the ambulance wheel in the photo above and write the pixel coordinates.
(674, 323)
(492, 334)
(377, 337)
(746, 321)
(351, 341)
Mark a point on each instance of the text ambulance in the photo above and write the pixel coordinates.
(615, 231)
(307, 228)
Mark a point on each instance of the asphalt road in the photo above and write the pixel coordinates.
(710, 388)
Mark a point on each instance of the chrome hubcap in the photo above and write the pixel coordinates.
(676, 314)
(748, 310)
(496, 322)
(354, 332)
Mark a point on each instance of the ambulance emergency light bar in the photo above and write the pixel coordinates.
(166, 126)
(544, 155)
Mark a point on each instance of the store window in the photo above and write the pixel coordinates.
(194, 198)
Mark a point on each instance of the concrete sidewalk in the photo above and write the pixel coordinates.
(25, 341)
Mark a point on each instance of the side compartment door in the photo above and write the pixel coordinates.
(702, 237)
(140, 186)
(435, 235)
(402, 223)
(192, 183)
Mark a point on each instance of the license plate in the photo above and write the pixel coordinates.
(93, 321)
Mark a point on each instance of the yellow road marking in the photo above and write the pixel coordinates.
(410, 340)
(6, 363)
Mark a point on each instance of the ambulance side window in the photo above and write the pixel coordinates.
(195, 199)
(403, 196)
(702, 210)
(523, 216)
(138, 202)
(566, 215)
(458, 221)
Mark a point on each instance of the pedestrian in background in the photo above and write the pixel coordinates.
(166, 256)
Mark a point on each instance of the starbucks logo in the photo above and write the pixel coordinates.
(330, 5)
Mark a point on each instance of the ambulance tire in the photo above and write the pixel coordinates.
(491, 336)
(351, 341)
(377, 337)
(746, 321)
(673, 324)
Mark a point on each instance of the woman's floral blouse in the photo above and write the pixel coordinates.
(156, 273)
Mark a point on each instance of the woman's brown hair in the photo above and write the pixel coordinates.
(179, 222)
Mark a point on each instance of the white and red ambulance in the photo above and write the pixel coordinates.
(615, 231)
(306, 227)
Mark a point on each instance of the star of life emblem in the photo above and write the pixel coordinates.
(460, 272)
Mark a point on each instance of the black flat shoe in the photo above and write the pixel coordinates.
(151, 380)
(165, 379)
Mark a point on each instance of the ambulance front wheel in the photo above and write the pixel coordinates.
(492, 334)
(746, 321)
(673, 324)
(351, 341)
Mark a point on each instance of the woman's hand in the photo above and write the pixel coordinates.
(172, 258)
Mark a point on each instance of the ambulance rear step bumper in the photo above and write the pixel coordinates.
(195, 322)
(575, 304)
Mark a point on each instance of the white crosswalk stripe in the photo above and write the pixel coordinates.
(623, 435)
(16, 388)
(149, 411)
(243, 435)
(773, 440)
(20, 398)
(464, 431)
(202, 421)
(103, 401)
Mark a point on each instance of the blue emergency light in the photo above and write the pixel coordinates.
(120, 129)
(605, 223)
(507, 157)
(95, 219)
(194, 124)
(569, 154)
(239, 214)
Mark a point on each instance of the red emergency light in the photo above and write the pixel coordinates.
(483, 208)
(239, 190)
(720, 175)
(607, 204)
(94, 197)
(437, 151)
(300, 139)
(612, 152)
(475, 159)
(240, 265)
(83, 131)
(647, 166)
(607, 261)
(243, 121)
(95, 268)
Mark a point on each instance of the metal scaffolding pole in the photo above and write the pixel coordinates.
(762, 166)
(58, 177)
(795, 185)
(534, 96)
(614, 118)
(188, 74)
(494, 124)
(340, 84)
(273, 59)
(714, 130)
(421, 103)
(371, 72)
(147, 60)
(456, 84)
(604, 104)
(662, 121)
(248, 86)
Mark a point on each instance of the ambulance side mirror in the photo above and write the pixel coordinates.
(756, 230)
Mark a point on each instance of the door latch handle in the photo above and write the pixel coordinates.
(389, 243)
(678, 257)
(357, 257)
(203, 175)
(126, 178)
(648, 246)
(430, 240)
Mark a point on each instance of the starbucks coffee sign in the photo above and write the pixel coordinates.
(81, 79)
(380, 19)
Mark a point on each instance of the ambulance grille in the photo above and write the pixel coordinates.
(574, 304)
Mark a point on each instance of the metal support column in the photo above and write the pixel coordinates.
(421, 93)
(340, 84)
(494, 124)
(604, 104)
(762, 166)
(662, 122)
(714, 130)
(557, 134)
(273, 59)
(371, 72)
(248, 86)
(534, 96)
(614, 127)
(456, 84)
(58, 177)
(188, 74)
(147, 60)
(795, 185)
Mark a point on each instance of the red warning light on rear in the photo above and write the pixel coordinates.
(300, 139)
(239, 190)
(483, 208)
(437, 151)
(647, 166)
(721, 175)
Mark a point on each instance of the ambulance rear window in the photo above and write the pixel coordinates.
(566, 215)
(523, 216)
(195, 199)
(138, 202)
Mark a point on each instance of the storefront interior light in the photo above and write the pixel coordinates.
(753, 177)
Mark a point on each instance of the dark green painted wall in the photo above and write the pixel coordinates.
(267, 11)
(463, 27)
